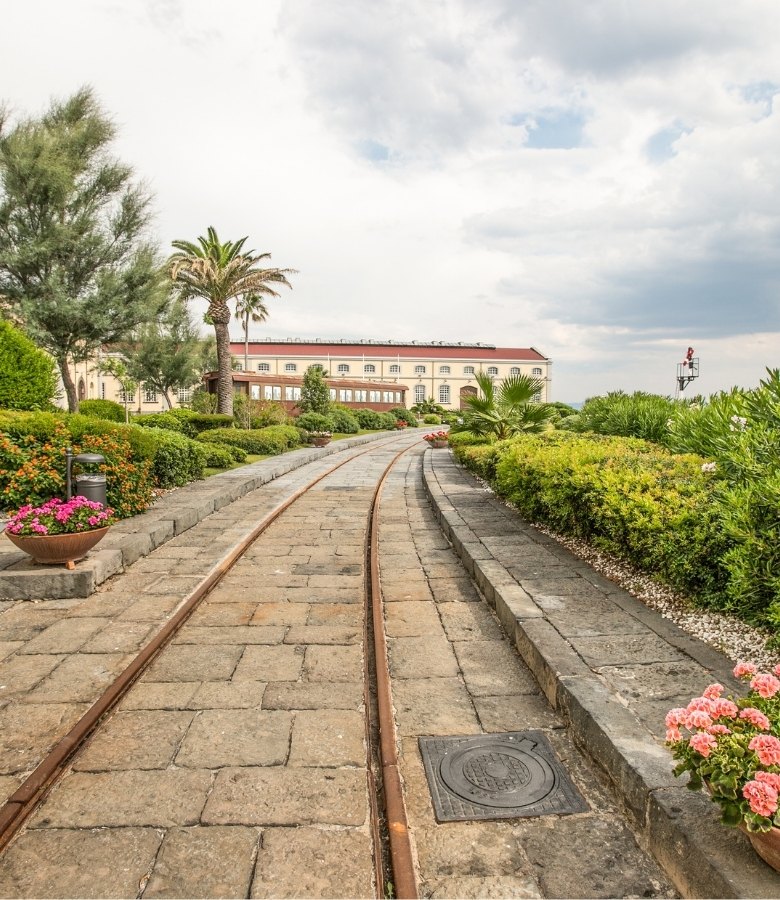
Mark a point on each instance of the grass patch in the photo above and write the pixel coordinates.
(251, 458)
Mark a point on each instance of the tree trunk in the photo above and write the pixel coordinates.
(70, 386)
(225, 378)
(167, 399)
(246, 341)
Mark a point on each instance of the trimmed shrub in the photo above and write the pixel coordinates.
(237, 453)
(639, 415)
(177, 459)
(431, 419)
(387, 421)
(368, 419)
(264, 441)
(404, 415)
(27, 374)
(312, 421)
(344, 422)
(201, 422)
(263, 413)
(103, 409)
(162, 420)
(217, 456)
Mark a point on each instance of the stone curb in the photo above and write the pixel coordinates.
(680, 828)
(133, 538)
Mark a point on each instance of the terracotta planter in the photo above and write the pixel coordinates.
(439, 445)
(56, 549)
(320, 442)
(767, 845)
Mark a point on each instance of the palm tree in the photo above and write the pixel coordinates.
(504, 411)
(218, 273)
(250, 306)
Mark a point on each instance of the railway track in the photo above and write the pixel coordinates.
(264, 741)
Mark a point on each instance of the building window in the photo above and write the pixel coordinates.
(103, 389)
(397, 396)
(185, 395)
(332, 393)
(126, 396)
(444, 393)
(468, 370)
(277, 392)
(537, 397)
(254, 391)
(387, 396)
(264, 367)
(267, 392)
(342, 368)
(345, 396)
(361, 396)
(238, 367)
(536, 371)
(292, 393)
(444, 370)
(419, 370)
(515, 370)
(373, 396)
(395, 369)
(419, 393)
(150, 394)
(369, 368)
(290, 367)
(492, 370)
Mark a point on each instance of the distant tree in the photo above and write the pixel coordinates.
(218, 273)
(505, 410)
(167, 354)
(113, 366)
(27, 379)
(250, 307)
(428, 407)
(315, 393)
(74, 265)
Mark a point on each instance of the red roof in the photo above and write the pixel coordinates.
(390, 351)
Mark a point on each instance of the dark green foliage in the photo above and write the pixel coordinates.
(162, 420)
(103, 409)
(27, 379)
(505, 409)
(264, 441)
(267, 412)
(202, 401)
(431, 419)
(312, 421)
(217, 456)
(238, 454)
(315, 394)
(402, 414)
(177, 459)
(387, 421)
(343, 421)
(368, 419)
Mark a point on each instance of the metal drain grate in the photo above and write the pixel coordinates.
(497, 776)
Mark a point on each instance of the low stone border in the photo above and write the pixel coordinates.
(133, 538)
(679, 827)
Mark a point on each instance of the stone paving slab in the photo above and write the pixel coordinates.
(611, 671)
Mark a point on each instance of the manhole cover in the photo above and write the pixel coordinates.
(497, 776)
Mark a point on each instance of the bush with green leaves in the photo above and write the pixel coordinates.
(639, 415)
(263, 441)
(402, 414)
(27, 379)
(368, 419)
(344, 422)
(432, 419)
(312, 421)
(203, 401)
(177, 459)
(267, 412)
(103, 409)
(162, 420)
(217, 457)
(387, 421)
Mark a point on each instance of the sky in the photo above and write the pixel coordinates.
(598, 179)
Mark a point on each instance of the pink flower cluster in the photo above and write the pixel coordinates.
(761, 796)
(435, 436)
(60, 517)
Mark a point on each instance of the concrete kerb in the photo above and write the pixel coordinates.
(679, 827)
(131, 539)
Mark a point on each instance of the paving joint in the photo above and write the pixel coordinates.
(136, 537)
(680, 828)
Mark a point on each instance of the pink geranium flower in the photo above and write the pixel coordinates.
(675, 716)
(673, 734)
(762, 797)
(767, 748)
(742, 668)
(703, 743)
(770, 778)
(723, 708)
(719, 729)
(755, 717)
(697, 719)
(766, 685)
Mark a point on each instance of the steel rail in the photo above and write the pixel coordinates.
(401, 854)
(24, 800)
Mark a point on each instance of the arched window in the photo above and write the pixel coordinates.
(290, 367)
(492, 370)
(536, 371)
(419, 393)
(369, 368)
(444, 393)
(342, 368)
(395, 369)
(264, 367)
(468, 370)
(419, 370)
(515, 370)
(444, 370)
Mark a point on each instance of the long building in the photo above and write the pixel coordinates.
(439, 370)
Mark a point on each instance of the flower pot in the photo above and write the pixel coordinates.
(320, 441)
(439, 445)
(53, 549)
(767, 845)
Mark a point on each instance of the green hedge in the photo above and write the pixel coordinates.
(312, 421)
(103, 409)
(263, 441)
(217, 456)
(177, 459)
(627, 496)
